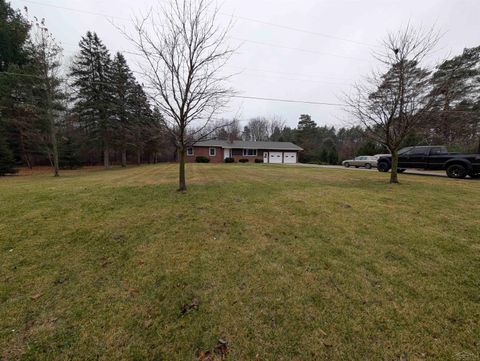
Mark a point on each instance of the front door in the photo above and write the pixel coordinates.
(265, 157)
(226, 153)
(415, 158)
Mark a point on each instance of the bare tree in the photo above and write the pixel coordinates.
(47, 56)
(391, 103)
(259, 129)
(185, 49)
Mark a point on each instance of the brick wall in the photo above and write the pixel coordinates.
(203, 152)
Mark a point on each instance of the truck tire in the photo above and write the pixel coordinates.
(347, 165)
(368, 166)
(475, 176)
(383, 167)
(457, 171)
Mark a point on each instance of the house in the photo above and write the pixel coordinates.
(268, 152)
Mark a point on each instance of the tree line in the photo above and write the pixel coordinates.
(95, 110)
(89, 112)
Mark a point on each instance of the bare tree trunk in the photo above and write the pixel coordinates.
(394, 171)
(25, 154)
(53, 137)
(124, 158)
(56, 166)
(106, 157)
(182, 184)
(139, 156)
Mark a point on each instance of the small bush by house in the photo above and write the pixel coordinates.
(229, 160)
(202, 159)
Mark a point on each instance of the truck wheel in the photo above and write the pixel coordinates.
(475, 176)
(347, 165)
(383, 167)
(456, 171)
(368, 166)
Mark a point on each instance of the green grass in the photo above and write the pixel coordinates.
(287, 263)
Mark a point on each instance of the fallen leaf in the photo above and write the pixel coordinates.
(133, 291)
(190, 306)
(36, 296)
(205, 356)
(328, 344)
(221, 348)
(345, 205)
(147, 323)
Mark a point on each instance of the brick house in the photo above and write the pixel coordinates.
(269, 152)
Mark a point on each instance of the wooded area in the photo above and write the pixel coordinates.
(95, 111)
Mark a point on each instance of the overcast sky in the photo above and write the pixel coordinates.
(275, 62)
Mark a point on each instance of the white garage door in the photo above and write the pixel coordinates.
(290, 157)
(275, 157)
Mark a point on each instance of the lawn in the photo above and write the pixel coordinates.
(280, 262)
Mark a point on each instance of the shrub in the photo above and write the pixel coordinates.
(229, 160)
(202, 159)
(258, 160)
(243, 160)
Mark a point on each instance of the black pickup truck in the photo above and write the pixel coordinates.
(434, 158)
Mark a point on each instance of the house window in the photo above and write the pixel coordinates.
(249, 152)
(212, 152)
(190, 151)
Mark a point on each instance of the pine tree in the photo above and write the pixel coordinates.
(18, 84)
(7, 161)
(144, 129)
(91, 71)
(14, 29)
(124, 105)
(455, 86)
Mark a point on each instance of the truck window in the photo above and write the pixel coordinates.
(438, 150)
(418, 151)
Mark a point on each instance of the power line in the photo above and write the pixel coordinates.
(297, 49)
(234, 96)
(76, 10)
(309, 76)
(243, 18)
(291, 28)
(247, 97)
(288, 100)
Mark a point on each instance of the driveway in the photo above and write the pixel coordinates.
(408, 171)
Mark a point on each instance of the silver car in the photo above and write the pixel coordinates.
(367, 161)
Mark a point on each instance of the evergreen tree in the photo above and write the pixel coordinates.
(145, 130)
(125, 107)
(18, 84)
(14, 29)
(91, 71)
(306, 137)
(455, 87)
(69, 154)
(7, 162)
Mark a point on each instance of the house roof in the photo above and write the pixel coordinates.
(240, 144)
